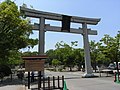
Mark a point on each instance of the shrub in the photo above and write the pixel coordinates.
(4, 71)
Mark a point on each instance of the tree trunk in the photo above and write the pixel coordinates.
(79, 68)
(70, 68)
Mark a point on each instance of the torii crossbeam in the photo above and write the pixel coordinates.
(66, 20)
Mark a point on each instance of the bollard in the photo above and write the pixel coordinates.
(48, 83)
(39, 80)
(43, 83)
(28, 80)
(115, 77)
(58, 82)
(53, 82)
(62, 81)
(65, 86)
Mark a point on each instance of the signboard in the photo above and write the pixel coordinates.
(34, 65)
(66, 23)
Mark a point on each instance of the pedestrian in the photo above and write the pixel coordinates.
(32, 76)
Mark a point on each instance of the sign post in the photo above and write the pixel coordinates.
(34, 63)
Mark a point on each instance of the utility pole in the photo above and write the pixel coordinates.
(117, 66)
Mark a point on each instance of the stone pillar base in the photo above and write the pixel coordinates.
(88, 75)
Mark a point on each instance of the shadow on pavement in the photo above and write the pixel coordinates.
(8, 81)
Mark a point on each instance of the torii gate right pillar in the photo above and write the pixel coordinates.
(88, 68)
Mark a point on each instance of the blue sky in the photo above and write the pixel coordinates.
(107, 10)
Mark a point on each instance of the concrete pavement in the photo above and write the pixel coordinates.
(75, 82)
(13, 87)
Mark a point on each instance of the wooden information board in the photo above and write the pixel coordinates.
(34, 65)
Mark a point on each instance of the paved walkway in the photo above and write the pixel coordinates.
(74, 82)
(15, 84)
(13, 87)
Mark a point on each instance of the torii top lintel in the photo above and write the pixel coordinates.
(54, 16)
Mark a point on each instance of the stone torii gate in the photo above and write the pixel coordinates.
(66, 20)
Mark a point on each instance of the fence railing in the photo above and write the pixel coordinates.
(51, 83)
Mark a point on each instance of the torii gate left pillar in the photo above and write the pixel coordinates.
(41, 46)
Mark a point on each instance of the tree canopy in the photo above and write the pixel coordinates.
(14, 31)
(66, 54)
(104, 52)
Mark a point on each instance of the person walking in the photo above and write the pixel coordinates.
(32, 76)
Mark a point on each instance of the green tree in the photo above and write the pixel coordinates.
(106, 39)
(14, 31)
(51, 54)
(14, 58)
(55, 62)
(118, 45)
(65, 54)
(94, 52)
(30, 53)
(79, 57)
(108, 48)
